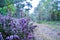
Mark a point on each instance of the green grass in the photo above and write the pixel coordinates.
(53, 24)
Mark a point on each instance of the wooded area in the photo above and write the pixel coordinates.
(17, 22)
(47, 10)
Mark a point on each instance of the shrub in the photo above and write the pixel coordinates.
(16, 27)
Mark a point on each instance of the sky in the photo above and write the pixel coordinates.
(34, 4)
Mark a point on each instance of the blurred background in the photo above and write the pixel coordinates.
(38, 11)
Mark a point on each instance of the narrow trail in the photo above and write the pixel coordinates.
(43, 32)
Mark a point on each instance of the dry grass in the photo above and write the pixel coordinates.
(39, 33)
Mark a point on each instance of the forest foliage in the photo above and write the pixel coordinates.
(14, 7)
(47, 10)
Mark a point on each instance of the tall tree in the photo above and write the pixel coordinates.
(45, 9)
(18, 8)
(21, 7)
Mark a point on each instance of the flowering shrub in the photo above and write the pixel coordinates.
(16, 29)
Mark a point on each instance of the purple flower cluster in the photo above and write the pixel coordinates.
(16, 29)
(1, 38)
(13, 37)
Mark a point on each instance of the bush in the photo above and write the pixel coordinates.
(16, 27)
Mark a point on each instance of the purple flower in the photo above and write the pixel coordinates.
(30, 36)
(7, 38)
(16, 37)
(1, 38)
(11, 37)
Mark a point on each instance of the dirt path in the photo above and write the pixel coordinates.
(43, 32)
